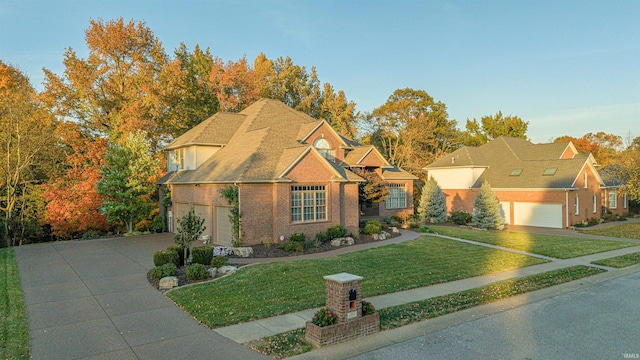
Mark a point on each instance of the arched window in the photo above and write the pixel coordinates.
(325, 149)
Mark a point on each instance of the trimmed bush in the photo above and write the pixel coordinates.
(197, 272)
(372, 227)
(292, 246)
(461, 217)
(336, 231)
(219, 261)
(324, 317)
(169, 269)
(321, 237)
(202, 255)
(179, 250)
(298, 238)
(162, 257)
(156, 273)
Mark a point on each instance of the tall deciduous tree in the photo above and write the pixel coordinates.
(604, 147)
(127, 181)
(412, 129)
(126, 84)
(26, 155)
(72, 200)
(373, 190)
(432, 206)
(492, 127)
(486, 209)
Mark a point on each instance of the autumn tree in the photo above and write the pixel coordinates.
(126, 182)
(492, 127)
(373, 190)
(486, 209)
(412, 130)
(604, 147)
(126, 84)
(72, 200)
(433, 207)
(26, 155)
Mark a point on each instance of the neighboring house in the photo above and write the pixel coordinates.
(548, 185)
(295, 174)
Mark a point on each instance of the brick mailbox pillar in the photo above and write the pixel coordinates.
(344, 299)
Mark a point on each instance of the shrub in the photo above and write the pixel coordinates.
(156, 273)
(321, 237)
(367, 308)
(324, 317)
(372, 227)
(298, 238)
(336, 231)
(292, 246)
(90, 235)
(197, 272)
(461, 217)
(219, 261)
(162, 257)
(169, 269)
(202, 255)
(432, 203)
(179, 250)
(425, 229)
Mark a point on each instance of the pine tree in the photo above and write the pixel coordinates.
(486, 209)
(432, 203)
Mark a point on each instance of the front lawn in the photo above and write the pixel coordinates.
(560, 247)
(272, 289)
(620, 261)
(14, 330)
(293, 342)
(629, 231)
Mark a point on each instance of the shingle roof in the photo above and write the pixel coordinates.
(260, 144)
(504, 156)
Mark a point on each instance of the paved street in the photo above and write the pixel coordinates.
(596, 322)
(91, 299)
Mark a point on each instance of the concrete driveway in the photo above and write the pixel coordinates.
(91, 299)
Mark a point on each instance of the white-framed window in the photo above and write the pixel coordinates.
(585, 179)
(323, 146)
(308, 203)
(595, 204)
(397, 197)
(625, 201)
(613, 199)
(576, 204)
(177, 159)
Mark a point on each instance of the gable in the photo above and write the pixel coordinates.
(373, 158)
(311, 168)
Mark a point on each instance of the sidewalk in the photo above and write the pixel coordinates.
(258, 329)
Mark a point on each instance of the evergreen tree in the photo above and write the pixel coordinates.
(486, 209)
(432, 203)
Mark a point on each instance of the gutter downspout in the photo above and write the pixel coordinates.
(239, 217)
(566, 207)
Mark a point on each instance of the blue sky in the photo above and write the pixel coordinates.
(566, 67)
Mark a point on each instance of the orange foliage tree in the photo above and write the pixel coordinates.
(72, 200)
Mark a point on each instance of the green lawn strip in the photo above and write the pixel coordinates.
(293, 342)
(620, 261)
(560, 247)
(14, 332)
(628, 231)
(266, 290)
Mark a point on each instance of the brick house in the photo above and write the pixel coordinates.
(294, 174)
(547, 185)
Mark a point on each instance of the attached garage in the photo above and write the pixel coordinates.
(536, 214)
(224, 234)
(204, 212)
(179, 210)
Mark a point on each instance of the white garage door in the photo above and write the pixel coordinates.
(204, 212)
(536, 214)
(224, 227)
(180, 210)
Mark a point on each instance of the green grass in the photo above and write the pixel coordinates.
(629, 231)
(620, 261)
(560, 247)
(293, 342)
(14, 331)
(272, 289)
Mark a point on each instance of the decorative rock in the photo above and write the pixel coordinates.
(386, 234)
(212, 271)
(168, 282)
(243, 251)
(348, 241)
(227, 270)
(394, 230)
(336, 242)
(376, 237)
(382, 236)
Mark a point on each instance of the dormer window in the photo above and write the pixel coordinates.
(325, 149)
(177, 160)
